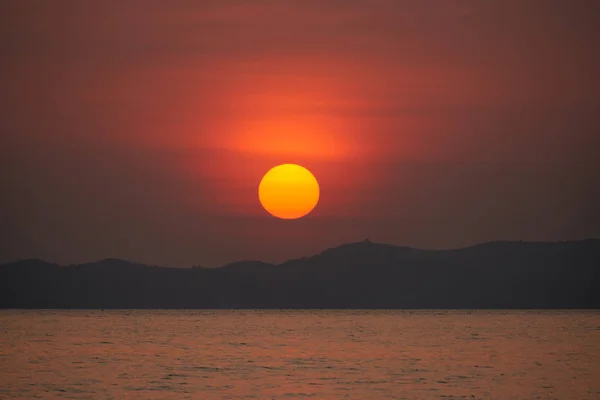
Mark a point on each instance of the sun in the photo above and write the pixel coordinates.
(288, 191)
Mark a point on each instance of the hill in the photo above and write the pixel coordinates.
(355, 275)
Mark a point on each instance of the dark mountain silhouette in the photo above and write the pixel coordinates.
(356, 275)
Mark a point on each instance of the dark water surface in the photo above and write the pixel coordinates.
(300, 354)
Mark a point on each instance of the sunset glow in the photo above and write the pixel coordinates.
(145, 132)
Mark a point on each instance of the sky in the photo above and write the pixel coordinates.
(141, 129)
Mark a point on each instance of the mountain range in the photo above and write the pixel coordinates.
(366, 275)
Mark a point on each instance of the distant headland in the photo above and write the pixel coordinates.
(522, 275)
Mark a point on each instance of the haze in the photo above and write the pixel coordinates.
(141, 129)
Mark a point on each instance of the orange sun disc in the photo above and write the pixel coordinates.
(288, 191)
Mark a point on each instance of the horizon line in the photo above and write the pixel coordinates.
(364, 241)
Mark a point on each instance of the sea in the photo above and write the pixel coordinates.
(299, 354)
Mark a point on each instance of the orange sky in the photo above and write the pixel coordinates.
(141, 129)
